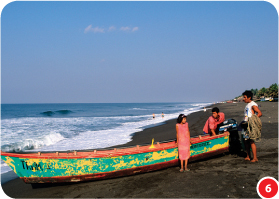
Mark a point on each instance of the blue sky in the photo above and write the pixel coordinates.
(94, 52)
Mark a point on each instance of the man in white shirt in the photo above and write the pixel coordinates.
(250, 109)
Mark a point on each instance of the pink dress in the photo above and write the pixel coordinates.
(183, 141)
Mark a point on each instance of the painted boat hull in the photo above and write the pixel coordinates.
(75, 166)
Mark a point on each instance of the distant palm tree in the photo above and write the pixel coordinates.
(273, 90)
(263, 92)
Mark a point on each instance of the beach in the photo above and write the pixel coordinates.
(222, 176)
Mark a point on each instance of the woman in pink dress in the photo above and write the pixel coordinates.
(183, 141)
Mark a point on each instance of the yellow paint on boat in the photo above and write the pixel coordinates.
(9, 161)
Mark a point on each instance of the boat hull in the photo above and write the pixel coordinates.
(103, 175)
(94, 165)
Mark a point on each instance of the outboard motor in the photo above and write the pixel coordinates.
(231, 126)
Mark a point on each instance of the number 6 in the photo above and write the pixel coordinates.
(267, 188)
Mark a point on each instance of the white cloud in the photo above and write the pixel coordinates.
(125, 28)
(87, 29)
(95, 30)
(135, 29)
(128, 29)
(112, 28)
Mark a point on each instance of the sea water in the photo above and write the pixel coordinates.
(62, 127)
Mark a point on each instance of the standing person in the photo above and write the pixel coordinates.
(250, 110)
(183, 141)
(153, 116)
(213, 121)
(163, 115)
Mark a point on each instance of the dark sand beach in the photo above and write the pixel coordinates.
(223, 176)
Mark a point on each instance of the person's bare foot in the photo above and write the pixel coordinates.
(247, 158)
(254, 160)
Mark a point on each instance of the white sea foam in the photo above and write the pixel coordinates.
(114, 136)
(141, 109)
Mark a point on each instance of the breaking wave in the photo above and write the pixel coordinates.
(30, 144)
(59, 112)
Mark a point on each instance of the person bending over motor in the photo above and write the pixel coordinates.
(213, 122)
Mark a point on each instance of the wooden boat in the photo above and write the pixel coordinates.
(75, 166)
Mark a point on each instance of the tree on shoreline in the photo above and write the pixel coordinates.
(272, 91)
(263, 92)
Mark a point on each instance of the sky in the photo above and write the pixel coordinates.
(136, 52)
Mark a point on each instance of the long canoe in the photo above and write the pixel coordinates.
(75, 166)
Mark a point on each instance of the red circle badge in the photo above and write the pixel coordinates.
(267, 187)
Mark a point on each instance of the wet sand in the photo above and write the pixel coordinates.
(222, 176)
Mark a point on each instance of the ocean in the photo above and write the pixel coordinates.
(62, 127)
